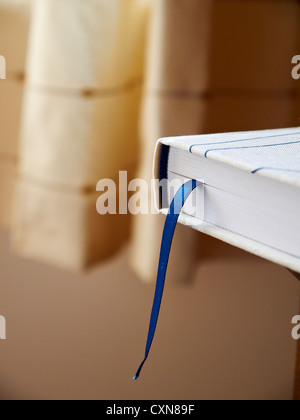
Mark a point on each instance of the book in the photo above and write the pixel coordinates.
(249, 194)
(242, 188)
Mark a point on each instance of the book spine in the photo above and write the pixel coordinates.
(160, 170)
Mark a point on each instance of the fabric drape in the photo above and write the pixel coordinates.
(79, 125)
(14, 27)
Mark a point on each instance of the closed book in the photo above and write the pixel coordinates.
(249, 194)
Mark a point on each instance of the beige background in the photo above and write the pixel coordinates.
(227, 335)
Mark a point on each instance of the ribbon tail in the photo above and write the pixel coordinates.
(169, 230)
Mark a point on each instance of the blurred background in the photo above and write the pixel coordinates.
(91, 85)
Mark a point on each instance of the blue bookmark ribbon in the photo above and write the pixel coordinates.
(170, 225)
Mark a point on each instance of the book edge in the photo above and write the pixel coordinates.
(180, 145)
(271, 254)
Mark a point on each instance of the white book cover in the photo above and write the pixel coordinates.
(255, 164)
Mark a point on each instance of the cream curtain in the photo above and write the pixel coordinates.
(14, 27)
(79, 125)
(106, 79)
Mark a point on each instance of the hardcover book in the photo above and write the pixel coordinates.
(249, 194)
